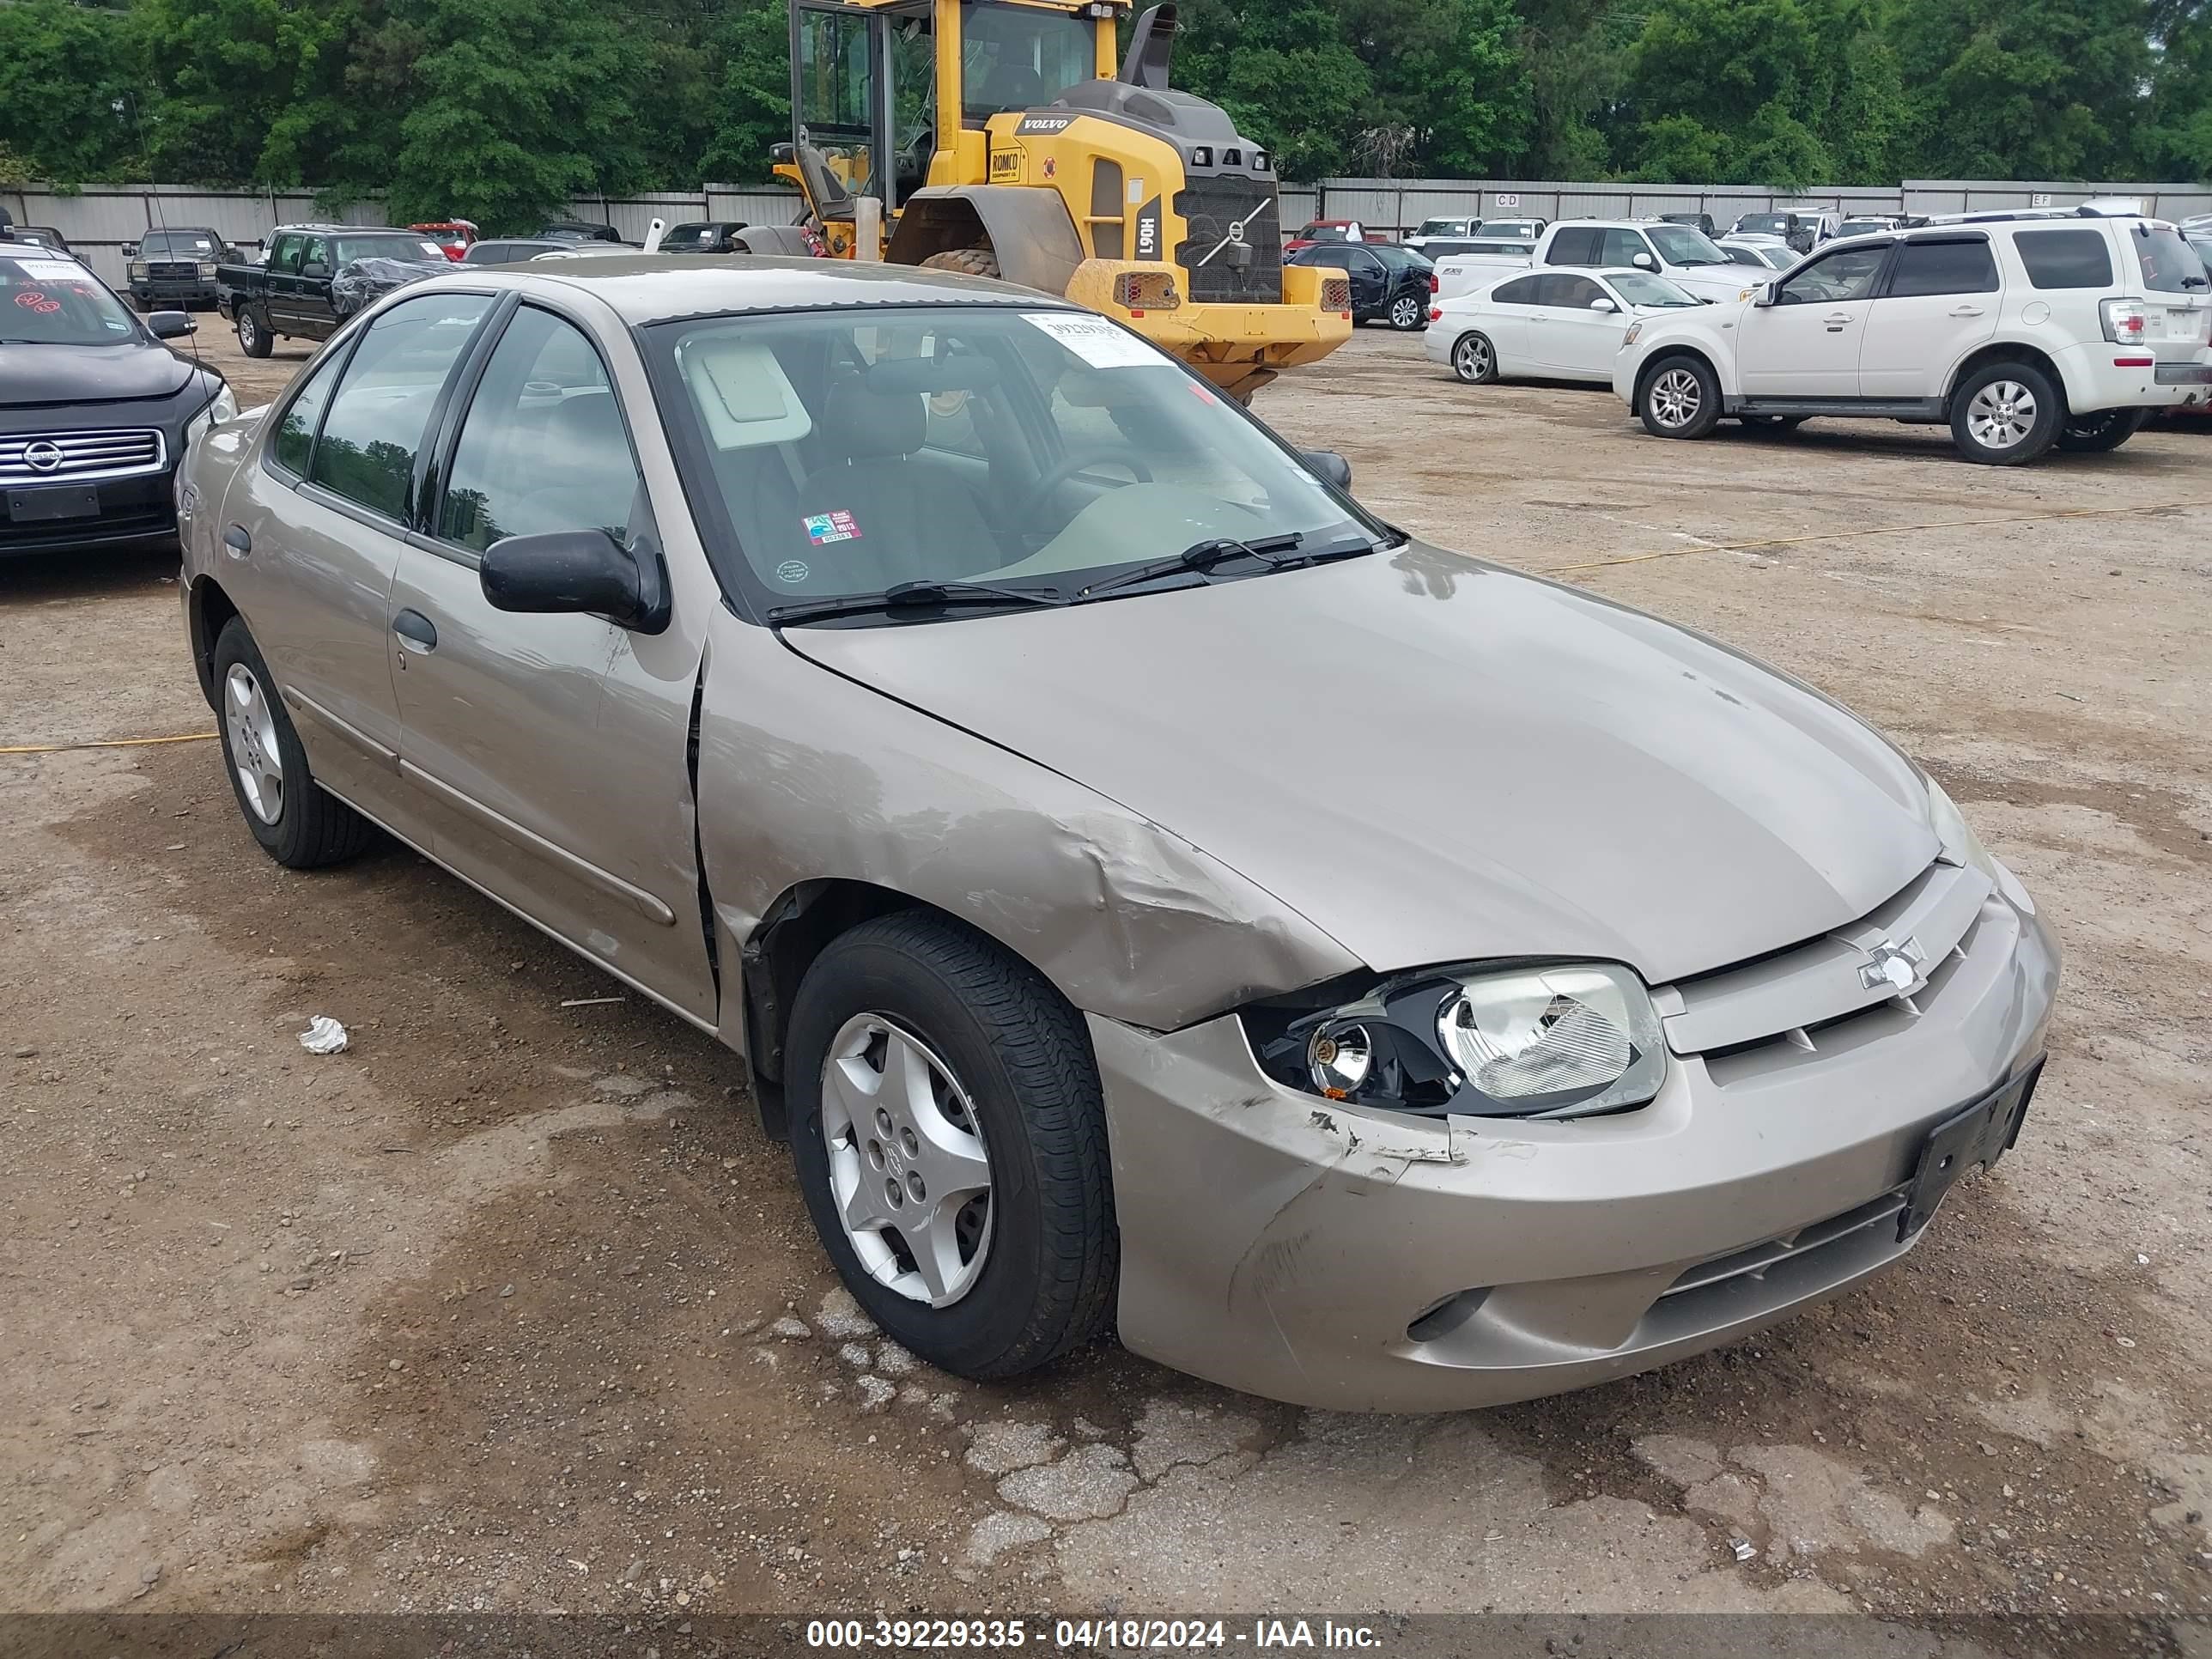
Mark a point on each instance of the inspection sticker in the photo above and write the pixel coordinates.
(1097, 342)
(824, 528)
(51, 270)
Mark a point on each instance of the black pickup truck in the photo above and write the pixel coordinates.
(288, 292)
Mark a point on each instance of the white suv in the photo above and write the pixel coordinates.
(2018, 333)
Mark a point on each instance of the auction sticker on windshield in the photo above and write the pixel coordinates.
(1096, 340)
(51, 270)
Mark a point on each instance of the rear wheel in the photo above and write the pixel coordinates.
(950, 1135)
(253, 337)
(2108, 428)
(2004, 414)
(1681, 398)
(979, 261)
(1474, 359)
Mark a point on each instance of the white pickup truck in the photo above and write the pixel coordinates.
(1683, 254)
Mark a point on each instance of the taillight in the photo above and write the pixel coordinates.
(1436, 283)
(1436, 314)
(2127, 322)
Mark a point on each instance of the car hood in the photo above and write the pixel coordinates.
(1436, 759)
(44, 373)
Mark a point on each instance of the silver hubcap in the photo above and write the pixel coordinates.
(1472, 358)
(1404, 313)
(1675, 397)
(246, 331)
(908, 1167)
(2002, 413)
(252, 728)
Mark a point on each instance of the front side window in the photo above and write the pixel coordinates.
(1620, 248)
(382, 407)
(2168, 266)
(315, 257)
(1085, 450)
(544, 447)
(1847, 274)
(1569, 292)
(2065, 258)
(50, 300)
(1963, 267)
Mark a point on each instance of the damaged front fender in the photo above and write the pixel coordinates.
(805, 777)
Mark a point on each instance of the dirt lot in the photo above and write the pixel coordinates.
(510, 1306)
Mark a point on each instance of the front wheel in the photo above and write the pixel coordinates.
(2004, 414)
(1407, 312)
(2106, 429)
(949, 1135)
(296, 823)
(1681, 399)
(253, 337)
(1474, 359)
(978, 261)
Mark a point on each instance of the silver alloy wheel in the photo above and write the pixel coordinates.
(247, 329)
(908, 1166)
(1405, 312)
(1675, 398)
(2003, 414)
(250, 725)
(1471, 358)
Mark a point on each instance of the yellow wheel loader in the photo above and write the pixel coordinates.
(1000, 138)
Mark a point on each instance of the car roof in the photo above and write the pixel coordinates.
(651, 288)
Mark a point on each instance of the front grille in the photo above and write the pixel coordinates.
(1800, 1250)
(170, 271)
(1212, 203)
(37, 457)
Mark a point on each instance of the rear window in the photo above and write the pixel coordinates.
(2168, 265)
(2065, 258)
(1965, 267)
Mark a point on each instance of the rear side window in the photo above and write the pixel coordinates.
(1575, 246)
(295, 432)
(382, 406)
(1520, 291)
(1620, 248)
(1943, 268)
(2065, 258)
(2168, 266)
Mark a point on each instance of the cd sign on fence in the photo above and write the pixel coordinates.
(1506, 199)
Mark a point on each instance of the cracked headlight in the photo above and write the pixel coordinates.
(1539, 1040)
(1961, 845)
(221, 407)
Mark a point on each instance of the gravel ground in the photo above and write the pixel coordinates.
(510, 1305)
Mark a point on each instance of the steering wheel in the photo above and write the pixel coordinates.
(1068, 466)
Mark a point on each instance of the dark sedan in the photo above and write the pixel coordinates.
(1390, 283)
(95, 411)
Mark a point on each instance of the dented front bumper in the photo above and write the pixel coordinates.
(1276, 1243)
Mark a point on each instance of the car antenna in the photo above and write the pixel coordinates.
(153, 198)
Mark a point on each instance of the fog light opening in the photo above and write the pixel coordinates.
(1444, 1317)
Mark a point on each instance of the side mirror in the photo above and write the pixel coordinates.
(578, 571)
(1328, 466)
(1768, 294)
(170, 324)
(131, 250)
(1645, 262)
(1603, 304)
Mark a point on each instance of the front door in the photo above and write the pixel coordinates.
(1572, 338)
(554, 748)
(312, 537)
(1806, 344)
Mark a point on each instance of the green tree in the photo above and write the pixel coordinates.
(1286, 73)
(2174, 141)
(62, 68)
(751, 50)
(244, 88)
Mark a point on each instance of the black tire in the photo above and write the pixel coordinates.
(2106, 429)
(1474, 359)
(1409, 313)
(310, 828)
(1680, 397)
(1020, 1053)
(253, 337)
(2032, 412)
(978, 261)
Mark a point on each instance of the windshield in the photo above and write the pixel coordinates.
(448, 236)
(51, 301)
(1640, 289)
(2168, 266)
(177, 244)
(388, 246)
(1522, 228)
(1018, 57)
(1442, 228)
(1764, 224)
(1680, 244)
(1322, 234)
(847, 454)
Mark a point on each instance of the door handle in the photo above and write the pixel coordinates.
(1966, 311)
(238, 541)
(415, 627)
(1839, 321)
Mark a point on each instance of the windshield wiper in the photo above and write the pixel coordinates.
(913, 596)
(1200, 557)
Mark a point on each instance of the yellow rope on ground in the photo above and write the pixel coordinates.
(103, 742)
(1870, 530)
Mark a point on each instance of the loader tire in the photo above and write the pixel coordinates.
(967, 261)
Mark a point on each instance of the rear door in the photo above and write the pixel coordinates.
(1807, 343)
(1939, 299)
(555, 749)
(1506, 316)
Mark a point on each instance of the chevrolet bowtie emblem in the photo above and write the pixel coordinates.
(1899, 966)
